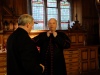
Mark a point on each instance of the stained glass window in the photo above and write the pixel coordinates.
(43, 10)
(38, 14)
(65, 14)
(52, 9)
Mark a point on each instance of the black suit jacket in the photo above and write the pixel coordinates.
(22, 55)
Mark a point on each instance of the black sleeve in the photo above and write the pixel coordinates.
(37, 39)
(62, 40)
(30, 57)
(40, 39)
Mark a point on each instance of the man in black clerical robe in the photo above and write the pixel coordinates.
(52, 44)
(22, 54)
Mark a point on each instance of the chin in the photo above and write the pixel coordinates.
(52, 30)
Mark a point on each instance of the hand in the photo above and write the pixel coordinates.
(54, 34)
(42, 67)
(48, 33)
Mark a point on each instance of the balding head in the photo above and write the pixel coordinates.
(52, 19)
(52, 24)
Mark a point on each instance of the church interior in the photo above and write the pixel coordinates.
(83, 57)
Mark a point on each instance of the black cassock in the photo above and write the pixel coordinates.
(22, 54)
(51, 52)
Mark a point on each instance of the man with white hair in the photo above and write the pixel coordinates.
(52, 44)
(22, 54)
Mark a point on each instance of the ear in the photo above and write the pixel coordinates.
(27, 25)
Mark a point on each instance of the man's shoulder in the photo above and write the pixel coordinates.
(43, 33)
(59, 32)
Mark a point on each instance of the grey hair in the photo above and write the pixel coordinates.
(24, 19)
(52, 19)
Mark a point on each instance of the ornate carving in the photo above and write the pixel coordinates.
(76, 26)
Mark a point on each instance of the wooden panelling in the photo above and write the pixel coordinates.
(81, 59)
(3, 64)
(1, 39)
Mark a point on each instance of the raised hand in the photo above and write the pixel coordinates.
(48, 33)
(54, 34)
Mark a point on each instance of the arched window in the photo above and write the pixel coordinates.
(43, 10)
